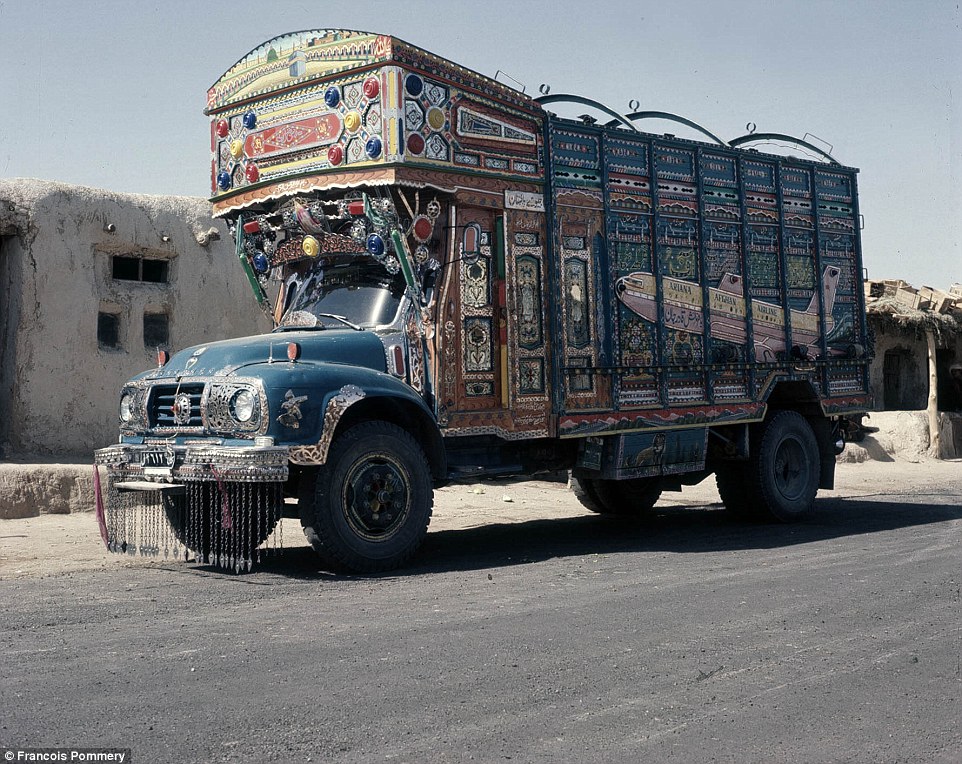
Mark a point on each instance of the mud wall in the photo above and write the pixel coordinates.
(92, 283)
(899, 372)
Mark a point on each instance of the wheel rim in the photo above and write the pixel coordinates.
(789, 468)
(377, 497)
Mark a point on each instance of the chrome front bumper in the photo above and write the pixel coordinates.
(166, 463)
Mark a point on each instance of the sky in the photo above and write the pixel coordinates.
(110, 93)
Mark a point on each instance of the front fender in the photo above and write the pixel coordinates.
(308, 404)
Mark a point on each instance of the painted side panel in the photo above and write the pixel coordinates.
(692, 276)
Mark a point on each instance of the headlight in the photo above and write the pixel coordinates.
(126, 408)
(242, 405)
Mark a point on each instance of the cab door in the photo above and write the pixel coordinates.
(473, 318)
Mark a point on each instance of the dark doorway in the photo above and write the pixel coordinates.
(893, 379)
(948, 369)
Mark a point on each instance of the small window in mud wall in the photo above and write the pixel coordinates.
(108, 330)
(135, 268)
(156, 331)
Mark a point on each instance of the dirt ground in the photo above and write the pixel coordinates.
(51, 545)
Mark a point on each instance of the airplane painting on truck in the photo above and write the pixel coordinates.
(683, 309)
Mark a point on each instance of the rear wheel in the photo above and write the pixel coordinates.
(371, 502)
(584, 491)
(781, 477)
(617, 497)
(736, 494)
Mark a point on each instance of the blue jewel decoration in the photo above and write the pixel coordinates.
(261, 263)
(375, 245)
(373, 147)
(414, 84)
(223, 180)
(250, 120)
(332, 96)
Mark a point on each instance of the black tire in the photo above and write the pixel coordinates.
(617, 497)
(372, 501)
(196, 519)
(584, 491)
(782, 474)
(736, 493)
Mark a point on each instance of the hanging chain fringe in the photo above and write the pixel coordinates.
(229, 525)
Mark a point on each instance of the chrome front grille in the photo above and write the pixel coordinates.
(160, 406)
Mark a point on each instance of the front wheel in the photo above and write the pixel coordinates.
(371, 502)
(224, 522)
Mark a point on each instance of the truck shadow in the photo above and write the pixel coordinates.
(679, 530)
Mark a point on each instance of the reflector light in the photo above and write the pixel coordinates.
(252, 227)
(399, 360)
(422, 228)
(355, 208)
(293, 351)
(162, 358)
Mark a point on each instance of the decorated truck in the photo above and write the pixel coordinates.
(466, 285)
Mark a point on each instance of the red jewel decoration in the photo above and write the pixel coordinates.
(252, 173)
(422, 228)
(371, 87)
(221, 127)
(415, 143)
(335, 155)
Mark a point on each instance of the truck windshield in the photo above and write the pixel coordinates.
(361, 292)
